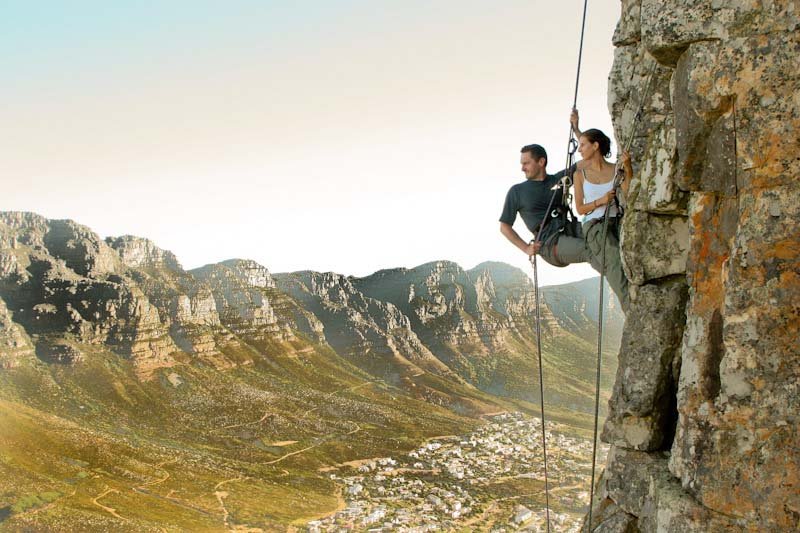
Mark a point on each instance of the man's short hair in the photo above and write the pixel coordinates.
(536, 150)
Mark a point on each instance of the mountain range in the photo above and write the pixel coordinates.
(115, 359)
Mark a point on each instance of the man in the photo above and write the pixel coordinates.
(531, 199)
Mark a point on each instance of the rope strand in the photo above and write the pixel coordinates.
(565, 184)
(599, 366)
(617, 180)
(541, 387)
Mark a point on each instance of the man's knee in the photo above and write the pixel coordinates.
(569, 250)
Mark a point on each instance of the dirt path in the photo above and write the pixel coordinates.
(222, 494)
(172, 500)
(110, 510)
(266, 415)
(163, 479)
(282, 457)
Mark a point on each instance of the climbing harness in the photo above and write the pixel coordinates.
(618, 176)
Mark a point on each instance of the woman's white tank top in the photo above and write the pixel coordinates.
(594, 191)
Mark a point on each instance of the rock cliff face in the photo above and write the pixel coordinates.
(481, 324)
(704, 414)
(464, 316)
(373, 334)
(65, 287)
(65, 290)
(14, 343)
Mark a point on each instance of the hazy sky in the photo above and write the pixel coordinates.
(338, 135)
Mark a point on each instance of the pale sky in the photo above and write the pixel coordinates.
(344, 135)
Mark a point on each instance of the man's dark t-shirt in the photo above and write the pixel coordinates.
(530, 199)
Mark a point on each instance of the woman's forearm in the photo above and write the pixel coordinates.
(584, 209)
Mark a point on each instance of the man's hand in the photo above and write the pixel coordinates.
(529, 248)
(533, 248)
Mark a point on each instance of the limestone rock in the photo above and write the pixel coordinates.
(80, 248)
(628, 475)
(474, 310)
(15, 345)
(669, 508)
(612, 519)
(66, 284)
(250, 306)
(639, 410)
(23, 228)
(186, 306)
(137, 252)
(481, 323)
(650, 498)
(668, 37)
(653, 246)
(715, 199)
(629, 28)
(58, 351)
(198, 309)
(375, 335)
(575, 307)
(242, 306)
(250, 272)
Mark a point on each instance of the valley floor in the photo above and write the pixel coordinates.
(490, 479)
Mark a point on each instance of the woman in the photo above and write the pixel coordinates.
(594, 193)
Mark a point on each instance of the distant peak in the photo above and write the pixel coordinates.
(139, 252)
(246, 270)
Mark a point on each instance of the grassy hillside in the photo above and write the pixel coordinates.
(91, 447)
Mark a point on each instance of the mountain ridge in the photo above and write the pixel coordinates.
(209, 368)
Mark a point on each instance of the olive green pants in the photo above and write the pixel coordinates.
(593, 233)
(565, 250)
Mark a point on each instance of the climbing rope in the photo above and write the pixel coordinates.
(572, 143)
(564, 186)
(619, 174)
(541, 387)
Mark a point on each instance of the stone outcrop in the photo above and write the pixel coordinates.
(137, 252)
(455, 310)
(66, 288)
(704, 415)
(80, 248)
(374, 334)
(481, 324)
(15, 345)
(186, 306)
(242, 303)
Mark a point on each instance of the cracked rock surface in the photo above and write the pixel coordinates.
(705, 412)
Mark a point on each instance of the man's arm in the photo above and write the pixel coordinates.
(571, 170)
(509, 233)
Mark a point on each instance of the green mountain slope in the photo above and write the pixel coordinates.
(135, 394)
